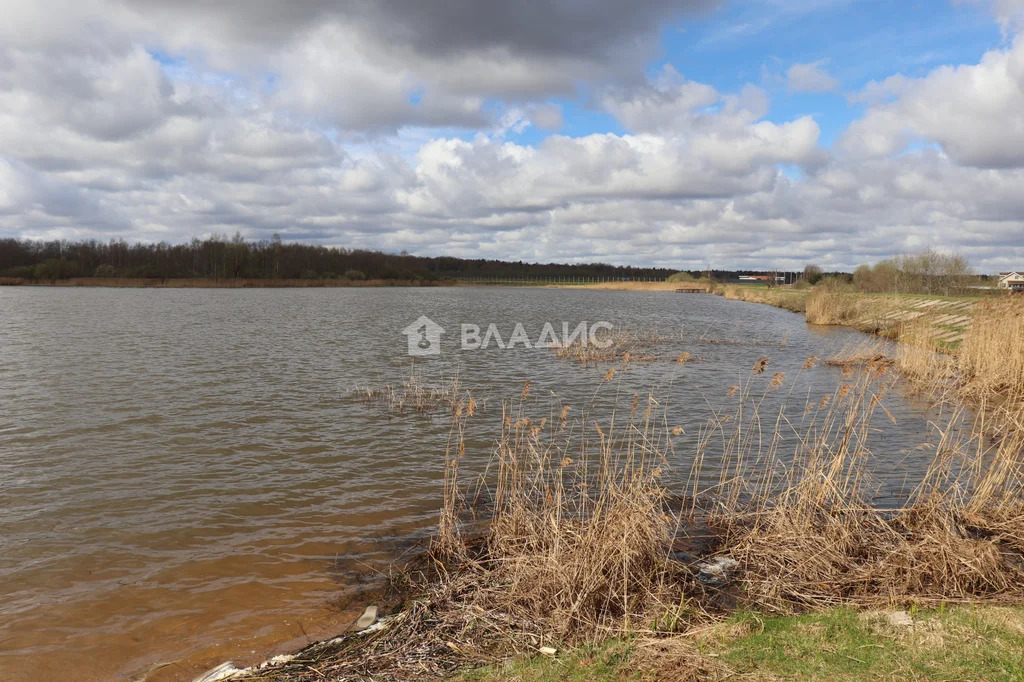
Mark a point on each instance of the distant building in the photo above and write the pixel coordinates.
(1014, 281)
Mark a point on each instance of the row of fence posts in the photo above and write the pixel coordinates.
(784, 278)
(553, 280)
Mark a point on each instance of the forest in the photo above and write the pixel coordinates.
(221, 258)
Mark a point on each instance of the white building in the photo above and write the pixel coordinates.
(1014, 281)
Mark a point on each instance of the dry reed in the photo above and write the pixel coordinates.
(805, 531)
(573, 531)
(617, 345)
(991, 357)
(830, 304)
(580, 534)
(415, 394)
(986, 370)
(790, 299)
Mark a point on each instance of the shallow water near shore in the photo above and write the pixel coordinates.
(183, 472)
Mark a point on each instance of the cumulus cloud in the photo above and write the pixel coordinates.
(1009, 13)
(397, 126)
(380, 65)
(547, 117)
(810, 77)
(723, 133)
(367, 65)
(971, 111)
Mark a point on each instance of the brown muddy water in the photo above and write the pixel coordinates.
(189, 476)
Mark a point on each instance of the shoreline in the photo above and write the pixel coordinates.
(257, 283)
(855, 304)
(770, 542)
(940, 322)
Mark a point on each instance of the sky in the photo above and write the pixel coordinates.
(671, 133)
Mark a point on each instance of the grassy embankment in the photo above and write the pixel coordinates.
(956, 643)
(943, 320)
(790, 299)
(968, 349)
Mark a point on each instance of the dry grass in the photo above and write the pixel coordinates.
(580, 533)
(570, 537)
(991, 357)
(675, 659)
(417, 395)
(986, 370)
(869, 354)
(616, 345)
(957, 349)
(788, 298)
(830, 304)
(808, 536)
(576, 544)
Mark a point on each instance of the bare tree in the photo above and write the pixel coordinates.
(812, 273)
(930, 272)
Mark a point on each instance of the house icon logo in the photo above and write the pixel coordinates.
(424, 336)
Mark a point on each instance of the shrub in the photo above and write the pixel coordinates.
(929, 272)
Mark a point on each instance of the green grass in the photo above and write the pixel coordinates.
(956, 644)
(961, 643)
(606, 661)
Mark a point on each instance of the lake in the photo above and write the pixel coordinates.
(190, 476)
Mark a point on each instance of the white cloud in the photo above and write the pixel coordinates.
(876, 92)
(971, 111)
(669, 102)
(810, 77)
(721, 133)
(1009, 13)
(352, 130)
(547, 117)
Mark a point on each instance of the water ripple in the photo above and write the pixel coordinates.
(179, 469)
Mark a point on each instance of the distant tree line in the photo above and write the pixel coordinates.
(929, 272)
(219, 258)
